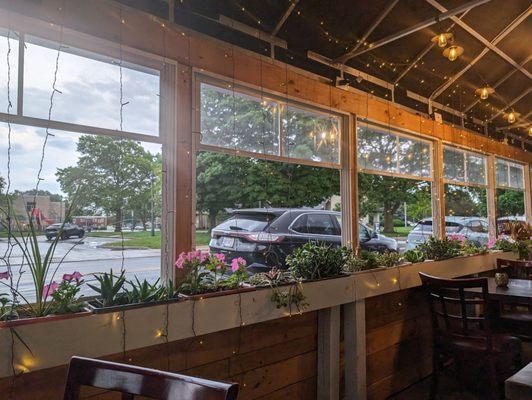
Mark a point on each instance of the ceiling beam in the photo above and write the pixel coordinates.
(347, 56)
(285, 16)
(501, 111)
(421, 25)
(502, 34)
(423, 53)
(522, 124)
(498, 83)
(248, 30)
(481, 39)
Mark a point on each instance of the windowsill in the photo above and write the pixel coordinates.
(53, 341)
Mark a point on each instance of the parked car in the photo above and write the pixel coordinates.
(474, 229)
(266, 236)
(69, 230)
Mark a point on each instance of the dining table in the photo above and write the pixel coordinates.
(518, 291)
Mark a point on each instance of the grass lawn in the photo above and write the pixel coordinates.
(399, 231)
(144, 239)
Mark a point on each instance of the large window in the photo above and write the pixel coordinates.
(267, 175)
(510, 194)
(465, 195)
(248, 122)
(98, 168)
(394, 189)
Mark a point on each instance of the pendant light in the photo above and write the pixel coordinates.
(511, 117)
(484, 92)
(443, 39)
(453, 52)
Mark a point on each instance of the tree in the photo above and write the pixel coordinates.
(510, 202)
(465, 201)
(224, 181)
(110, 174)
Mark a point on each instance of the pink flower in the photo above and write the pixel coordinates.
(491, 243)
(180, 263)
(458, 237)
(74, 275)
(237, 263)
(48, 290)
(5, 275)
(219, 266)
(220, 257)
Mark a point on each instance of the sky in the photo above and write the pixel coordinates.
(89, 95)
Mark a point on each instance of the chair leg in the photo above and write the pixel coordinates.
(493, 381)
(436, 370)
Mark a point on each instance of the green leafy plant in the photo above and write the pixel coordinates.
(144, 292)
(389, 259)
(414, 256)
(440, 249)
(471, 249)
(109, 288)
(363, 261)
(524, 249)
(65, 299)
(291, 297)
(316, 260)
(5, 307)
(504, 244)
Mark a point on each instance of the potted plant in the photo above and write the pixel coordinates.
(114, 294)
(314, 261)
(207, 275)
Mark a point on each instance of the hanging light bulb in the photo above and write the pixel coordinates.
(530, 131)
(443, 39)
(453, 52)
(511, 117)
(484, 92)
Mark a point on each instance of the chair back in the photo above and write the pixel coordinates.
(137, 381)
(517, 269)
(459, 309)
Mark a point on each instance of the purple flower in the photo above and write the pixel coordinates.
(237, 263)
(74, 275)
(5, 275)
(48, 290)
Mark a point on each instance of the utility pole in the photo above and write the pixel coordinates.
(152, 216)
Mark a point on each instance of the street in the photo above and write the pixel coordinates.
(87, 257)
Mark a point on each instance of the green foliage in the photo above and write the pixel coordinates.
(316, 260)
(510, 202)
(524, 250)
(504, 245)
(414, 256)
(292, 296)
(389, 259)
(465, 201)
(144, 292)
(364, 261)
(470, 249)
(224, 181)
(109, 288)
(5, 306)
(116, 174)
(440, 249)
(65, 299)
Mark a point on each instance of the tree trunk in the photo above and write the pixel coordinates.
(212, 218)
(388, 221)
(118, 221)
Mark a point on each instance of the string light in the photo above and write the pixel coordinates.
(511, 117)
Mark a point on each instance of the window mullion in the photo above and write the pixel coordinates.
(20, 77)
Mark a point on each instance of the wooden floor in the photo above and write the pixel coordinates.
(448, 387)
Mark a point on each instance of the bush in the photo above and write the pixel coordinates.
(440, 249)
(316, 260)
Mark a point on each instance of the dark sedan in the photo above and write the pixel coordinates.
(69, 230)
(266, 236)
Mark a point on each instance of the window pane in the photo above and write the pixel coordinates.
(476, 169)
(510, 209)
(502, 173)
(414, 157)
(390, 207)
(262, 210)
(516, 176)
(107, 183)
(466, 213)
(237, 121)
(311, 136)
(8, 44)
(89, 90)
(377, 150)
(453, 165)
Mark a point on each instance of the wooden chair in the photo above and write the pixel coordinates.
(462, 331)
(137, 381)
(514, 317)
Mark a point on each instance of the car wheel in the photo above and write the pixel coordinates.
(49, 238)
(64, 236)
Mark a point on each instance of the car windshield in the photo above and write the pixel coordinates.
(246, 222)
(426, 226)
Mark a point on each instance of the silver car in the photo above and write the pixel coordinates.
(474, 229)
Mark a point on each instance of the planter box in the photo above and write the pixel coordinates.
(201, 296)
(94, 308)
(55, 317)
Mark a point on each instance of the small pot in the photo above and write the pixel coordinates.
(501, 279)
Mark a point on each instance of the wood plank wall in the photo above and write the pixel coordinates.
(271, 360)
(398, 342)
